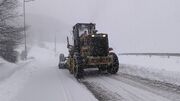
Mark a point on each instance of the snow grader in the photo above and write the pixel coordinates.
(89, 50)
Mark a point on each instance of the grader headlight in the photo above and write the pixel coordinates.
(92, 35)
(104, 35)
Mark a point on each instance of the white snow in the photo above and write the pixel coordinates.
(41, 80)
(6, 68)
(155, 67)
(12, 77)
(124, 91)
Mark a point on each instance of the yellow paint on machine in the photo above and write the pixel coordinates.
(99, 60)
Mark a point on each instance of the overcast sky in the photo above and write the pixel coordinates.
(132, 25)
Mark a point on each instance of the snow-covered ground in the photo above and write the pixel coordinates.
(11, 78)
(6, 68)
(121, 88)
(156, 67)
(39, 79)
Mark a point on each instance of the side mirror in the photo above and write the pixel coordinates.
(68, 45)
(95, 31)
(110, 49)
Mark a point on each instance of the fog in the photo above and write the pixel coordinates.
(132, 25)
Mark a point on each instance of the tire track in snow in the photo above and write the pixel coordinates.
(130, 94)
(67, 94)
(167, 90)
(125, 92)
(73, 89)
(101, 93)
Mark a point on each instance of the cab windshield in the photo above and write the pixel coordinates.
(83, 31)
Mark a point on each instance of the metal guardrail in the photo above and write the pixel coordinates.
(152, 54)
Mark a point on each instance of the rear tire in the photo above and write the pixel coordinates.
(78, 70)
(113, 69)
(59, 66)
(71, 64)
(62, 66)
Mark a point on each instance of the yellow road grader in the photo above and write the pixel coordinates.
(89, 50)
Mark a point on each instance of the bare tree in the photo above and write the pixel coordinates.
(10, 33)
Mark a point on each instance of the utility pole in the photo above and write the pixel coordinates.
(25, 41)
(25, 34)
(55, 43)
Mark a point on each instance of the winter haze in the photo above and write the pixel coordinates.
(132, 25)
(46, 70)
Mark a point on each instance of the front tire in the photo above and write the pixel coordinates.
(62, 59)
(113, 69)
(59, 66)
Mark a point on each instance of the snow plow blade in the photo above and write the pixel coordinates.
(62, 62)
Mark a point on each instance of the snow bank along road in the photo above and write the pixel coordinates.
(41, 80)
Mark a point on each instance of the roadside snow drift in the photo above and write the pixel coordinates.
(6, 69)
(156, 68)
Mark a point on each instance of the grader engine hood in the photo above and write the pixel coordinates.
(99, 45)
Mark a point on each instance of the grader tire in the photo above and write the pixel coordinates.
(113, 69)
(78, 70)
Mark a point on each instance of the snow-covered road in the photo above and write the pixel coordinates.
(48, 83)
(123, 87)
(51, 84)
(41, 80)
